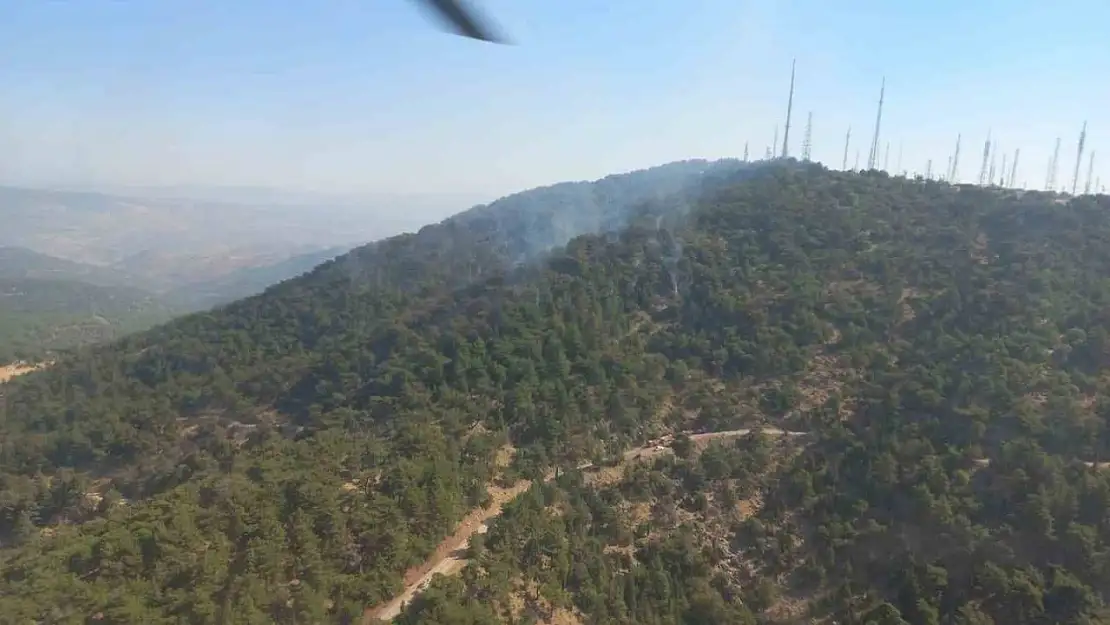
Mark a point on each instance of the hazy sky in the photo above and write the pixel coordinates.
(368, 95)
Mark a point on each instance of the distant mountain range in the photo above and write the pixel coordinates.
(201, 237)
(78, 267)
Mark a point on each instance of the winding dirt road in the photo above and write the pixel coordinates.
(450, 557)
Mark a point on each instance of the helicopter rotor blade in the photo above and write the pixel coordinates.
(463, 20)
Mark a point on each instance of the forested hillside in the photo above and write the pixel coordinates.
(18, 263)
(286, 458)
(486, 238)
(49, 304)
(40, 316)
(247, 281)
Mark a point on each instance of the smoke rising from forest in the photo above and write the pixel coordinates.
(520, 228)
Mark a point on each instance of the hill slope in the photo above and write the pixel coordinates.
(207, 273)
(247, 281)
(49, 304)
(19, 263)
(38, 317)
(288, 457)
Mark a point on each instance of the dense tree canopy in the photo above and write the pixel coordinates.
(287, 457)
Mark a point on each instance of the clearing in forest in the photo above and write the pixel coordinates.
(8, 372)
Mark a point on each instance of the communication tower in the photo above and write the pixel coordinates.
(789, 110)
(874, 155)
(1079, 157)
(807, 143)
(1053, 166)
(954, 172)
(847, 140)
(1090, 172)
(986, 159)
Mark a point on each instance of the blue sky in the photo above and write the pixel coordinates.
(369, 96)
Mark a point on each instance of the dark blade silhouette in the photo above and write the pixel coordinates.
(463, 20)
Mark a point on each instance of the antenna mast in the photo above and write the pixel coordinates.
(1090, 172)
(807, 143)
(986, 159)
(990, 171)
(775, 143)
(874, 155)
(789, 109)
(899, 167)
(847, 140)
(929, 169)
(955, 161)
(1050, 180)
(886, 158)
(1002, 172)
(1013, 169)
(1079, 157)
(745, 151)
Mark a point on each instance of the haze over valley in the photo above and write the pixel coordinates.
(84, 267)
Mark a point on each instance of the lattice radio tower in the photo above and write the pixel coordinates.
(789, 110)
(847, 141)
(990, 170)
(1053, 166)
(986, 159)
(1079, 157)
(807, 142)
(1090, 173)
(874, 155)
(952, 173)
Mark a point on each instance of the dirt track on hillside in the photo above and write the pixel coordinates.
(8, 372)
(450, 556)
